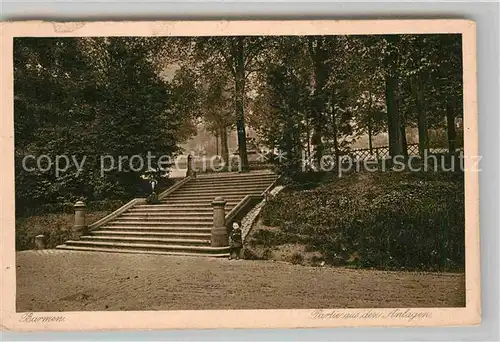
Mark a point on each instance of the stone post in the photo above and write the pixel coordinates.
(40, 242)
(79, 227)
(219, 236)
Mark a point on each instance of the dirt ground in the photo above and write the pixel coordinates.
(54, 280)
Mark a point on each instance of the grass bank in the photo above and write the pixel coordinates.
(385, 220)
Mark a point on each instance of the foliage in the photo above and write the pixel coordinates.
(305, 96)
(232, 60)
(411, 221)
(87, 98)
(317, 94)
(55, 227)
(286, 96)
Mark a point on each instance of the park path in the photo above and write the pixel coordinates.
(57, 280)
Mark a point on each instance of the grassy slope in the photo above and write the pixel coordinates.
(386, 220)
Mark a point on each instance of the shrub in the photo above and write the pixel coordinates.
(249, 254)
(267, 254)
(67, 208)
(381, 220)
(55, 227)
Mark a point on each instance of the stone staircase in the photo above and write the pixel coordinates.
(181, 224)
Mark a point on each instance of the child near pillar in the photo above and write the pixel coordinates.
(235, 241)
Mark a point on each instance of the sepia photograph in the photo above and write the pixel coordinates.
(193, 172)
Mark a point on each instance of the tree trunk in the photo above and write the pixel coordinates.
(319, 55)
(370, 125)
(391, 98)
(450, 122)
(393, 122)
(217, 144)
(239, 60)
(370, 138)
(224, 148)
(335, 130)
(297, 148)
(404, 142)
(308, 136)
(418, 90)
(335, 141)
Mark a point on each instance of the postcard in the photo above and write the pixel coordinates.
(239, 174)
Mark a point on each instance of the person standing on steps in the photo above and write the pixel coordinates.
(235, 241)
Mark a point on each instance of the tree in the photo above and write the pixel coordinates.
(89, 97)
(448, 78)
(216, 108)
(371, 116)
(432, 72)
(320, 56)
(282, 105)
(352, 82)
(394, 124)
(343, 88)
(239, 55)
(367, 75)
(52, 101)
(417, 76)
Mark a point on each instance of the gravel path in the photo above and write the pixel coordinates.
(54, 280)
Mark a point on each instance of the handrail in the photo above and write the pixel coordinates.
(270, 187)
(241, 204)
(174, 187)
(117, 212)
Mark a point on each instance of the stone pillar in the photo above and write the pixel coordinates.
(79, 227)
(41, 242)
(219, 237)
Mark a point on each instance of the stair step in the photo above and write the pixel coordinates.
(147, 240)
(207, 198)
(166, 218)
(211, 195)
(228, 182)
(188, 210)
(200, 199)
(138, 251)
(207, 201)
(227, 176)
(124, 233)
(214, 190)
(236, 174)
(149, 229)
(160, 223)
(167, 214)
(166, 206)
(182, 204)
(144, 246)
(237, 185)
(181, 208)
